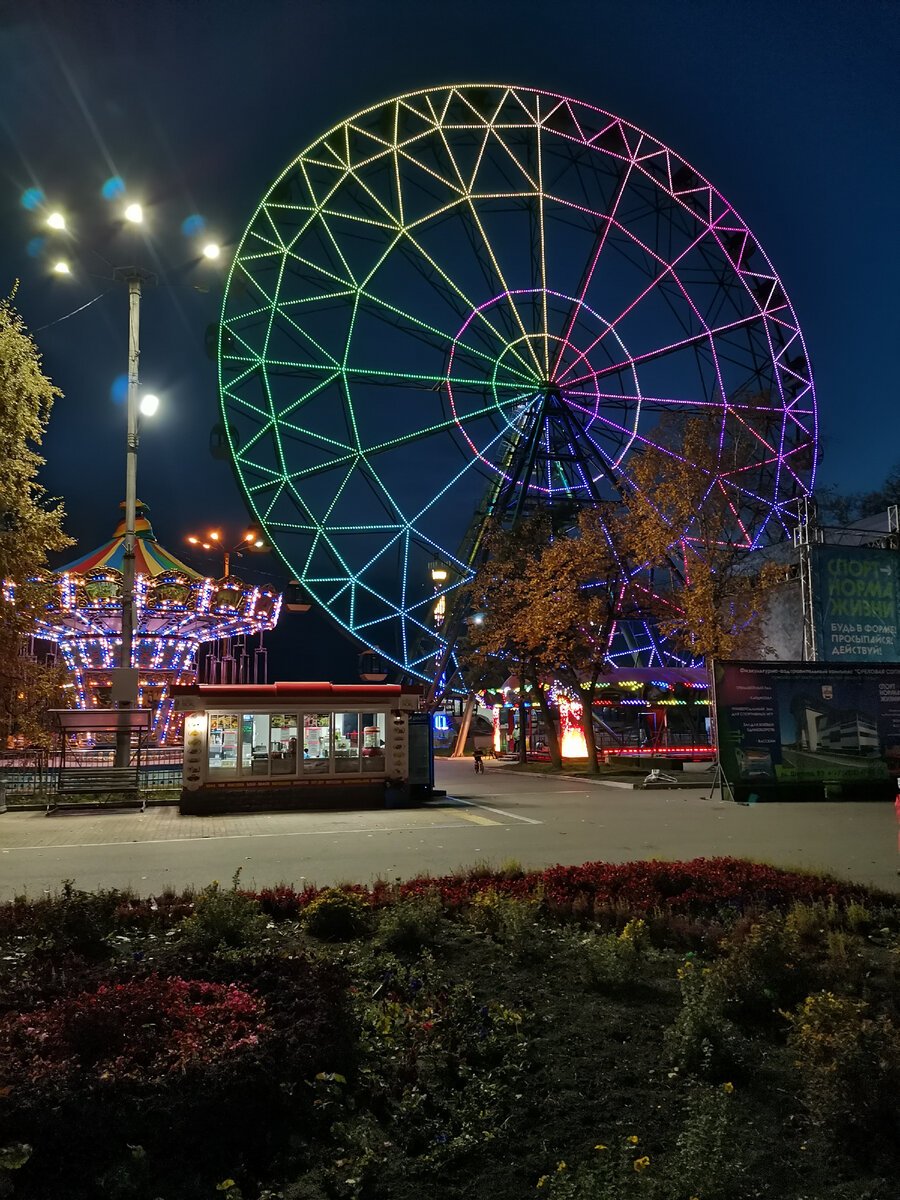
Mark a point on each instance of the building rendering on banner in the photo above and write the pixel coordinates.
(79, 608)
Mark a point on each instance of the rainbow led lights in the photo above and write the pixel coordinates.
(425, 278)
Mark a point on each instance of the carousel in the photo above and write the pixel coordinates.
(177, 610)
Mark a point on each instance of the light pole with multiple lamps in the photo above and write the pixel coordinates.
(125, 681)
(214, 541)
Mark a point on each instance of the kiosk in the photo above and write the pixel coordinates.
(301, 745)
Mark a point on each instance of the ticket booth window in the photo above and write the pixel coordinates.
(283, 744)
(346, 742)
(373, 740)
(316, 743)
(255, 744)
(223, 742)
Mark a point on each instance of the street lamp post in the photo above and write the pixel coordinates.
(125, 687)
(134, 277)
(213, 540)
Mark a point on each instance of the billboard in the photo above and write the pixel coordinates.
(788, 726)
(856, 593)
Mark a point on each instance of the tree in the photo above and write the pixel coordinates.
(689, 526)
(504, 639)
(578, 590)
(30, 522)
(843, 508)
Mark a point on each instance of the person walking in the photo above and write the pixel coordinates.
(479, 761)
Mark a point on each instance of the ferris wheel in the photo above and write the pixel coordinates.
(472, 300)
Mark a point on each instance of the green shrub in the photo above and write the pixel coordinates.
(337, 915)
(849, 1063)
(763, 969)
(702, 1040)
(509, 919)
(410, 924)
(222, 921)
(616, 960)
(610, 1174)
(706, 1163)
(74, 922)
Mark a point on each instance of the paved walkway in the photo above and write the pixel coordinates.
(494, 817)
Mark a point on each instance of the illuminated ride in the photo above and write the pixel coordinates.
(469, 302)
(639, 712)
(79, 607)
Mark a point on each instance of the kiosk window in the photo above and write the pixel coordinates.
(373, 740)
(316, 743)
(255, 744)
(223, 742)
(283, 744)
(346, 741)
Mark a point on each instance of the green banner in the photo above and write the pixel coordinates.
(856, 594)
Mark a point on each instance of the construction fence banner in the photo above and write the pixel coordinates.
(856, 597)
(807, 726)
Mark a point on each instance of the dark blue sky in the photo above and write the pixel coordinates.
(789, 108)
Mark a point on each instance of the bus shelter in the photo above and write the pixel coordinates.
(91, 766)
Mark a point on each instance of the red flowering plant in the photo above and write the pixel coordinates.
(145, 1030)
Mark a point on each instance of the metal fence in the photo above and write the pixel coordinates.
(33, 774)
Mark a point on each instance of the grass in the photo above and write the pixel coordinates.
(499, 1033)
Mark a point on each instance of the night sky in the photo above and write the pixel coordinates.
(790, 109)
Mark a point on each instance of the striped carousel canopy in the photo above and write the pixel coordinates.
(150, 559)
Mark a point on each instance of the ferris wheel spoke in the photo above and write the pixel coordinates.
(508, 295)
(667, 272)
(442, 339)
(470, 306)
(591, 266)
(708, 335)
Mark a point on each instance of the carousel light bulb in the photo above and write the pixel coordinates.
(56, 220)
(134, 213)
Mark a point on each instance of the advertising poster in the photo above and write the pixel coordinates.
(783, 726)
(856, 592)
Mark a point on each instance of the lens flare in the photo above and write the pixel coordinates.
(114, 188)
(32, 198)
(119, 389)
(193, 225)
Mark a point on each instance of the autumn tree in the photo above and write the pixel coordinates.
(689, 526)
(577, 590)
(30, 523)
(501, 639)
(842, 508)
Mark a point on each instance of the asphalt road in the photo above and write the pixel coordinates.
(494, 817)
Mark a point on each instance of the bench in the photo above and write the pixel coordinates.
(98, 781)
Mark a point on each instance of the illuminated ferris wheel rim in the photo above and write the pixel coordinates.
(639, 154)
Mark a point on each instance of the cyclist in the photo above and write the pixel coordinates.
(479, 763)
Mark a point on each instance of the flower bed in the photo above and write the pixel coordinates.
(144, 1030)
(714, 1028)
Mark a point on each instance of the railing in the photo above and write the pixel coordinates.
(34, 773)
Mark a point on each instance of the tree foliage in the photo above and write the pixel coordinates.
(691, 531)
(578, 593)
(501, 638)
(30, 522)
(842, 508)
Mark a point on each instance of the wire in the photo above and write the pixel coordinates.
(73, 313)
